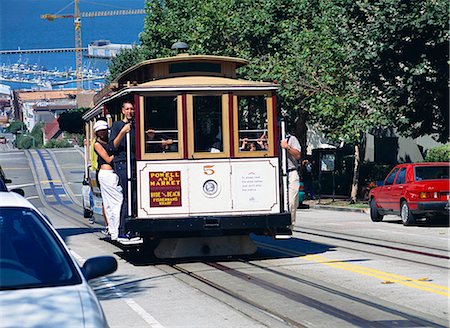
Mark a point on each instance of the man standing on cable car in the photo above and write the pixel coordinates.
(118, 133)
(292, 145)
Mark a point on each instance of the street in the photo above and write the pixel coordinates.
(339, 269)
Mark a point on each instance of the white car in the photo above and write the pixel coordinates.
(41, 285)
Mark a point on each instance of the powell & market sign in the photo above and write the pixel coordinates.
(165, 188)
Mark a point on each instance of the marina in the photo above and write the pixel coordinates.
(34, 74)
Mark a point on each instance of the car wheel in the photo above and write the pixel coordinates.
(406, 215)
(374, 214)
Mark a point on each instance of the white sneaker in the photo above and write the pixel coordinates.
(130, 241)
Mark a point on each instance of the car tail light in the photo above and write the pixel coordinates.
(424, 195)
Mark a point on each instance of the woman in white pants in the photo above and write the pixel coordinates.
(110, 188)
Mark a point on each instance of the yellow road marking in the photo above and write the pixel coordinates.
(384, 276)
(48, 181)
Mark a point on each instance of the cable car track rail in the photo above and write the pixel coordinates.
(305, 231)
(277, 288)
(42, 194)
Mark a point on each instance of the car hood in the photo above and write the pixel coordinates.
(67, 306)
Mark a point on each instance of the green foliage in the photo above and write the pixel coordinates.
(372, 172)
(30, 140)
(38, 134)
(71, 121)
(347, 66)
(400, 51)
(80, 139)
(53, 143)
(24, 142)
(438, 154)
(15, 126)
(127, 58)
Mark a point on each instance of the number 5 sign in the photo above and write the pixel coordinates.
(208, 169)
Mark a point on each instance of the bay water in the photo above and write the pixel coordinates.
(22, 28)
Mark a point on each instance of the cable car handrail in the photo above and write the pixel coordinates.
(259, 130)
(251, 139)
(163, 131)
(158, 141)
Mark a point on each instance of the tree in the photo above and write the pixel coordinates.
(340, 64)
(71, 121)
(15, 126)
(126, 59)
(401, 55)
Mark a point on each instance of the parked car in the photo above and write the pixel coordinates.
(3, 140)
(4, 181)
(41, 285)
(412, 191)
(3, 177)
(2, 185)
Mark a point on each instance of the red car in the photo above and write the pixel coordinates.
(412, 191)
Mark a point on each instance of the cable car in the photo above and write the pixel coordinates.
(221, 177)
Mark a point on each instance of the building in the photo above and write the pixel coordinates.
(45, 107)
(105, 49)
(6, 109)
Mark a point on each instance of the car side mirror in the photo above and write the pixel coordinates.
(7, 180)
(19, 191)
(99, 266)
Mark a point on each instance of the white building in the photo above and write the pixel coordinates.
(105, 49)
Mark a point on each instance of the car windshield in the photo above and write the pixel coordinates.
(431, 172)
(30, 254)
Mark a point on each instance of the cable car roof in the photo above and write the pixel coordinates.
(179, 59)
(198, 82)
(185, 84)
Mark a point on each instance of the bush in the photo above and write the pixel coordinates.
(63, 143)
(25, 142)
(438, 154)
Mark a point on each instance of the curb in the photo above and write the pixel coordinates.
(340, 208)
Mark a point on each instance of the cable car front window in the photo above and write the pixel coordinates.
(208, 124)
(252, 115)
(161, 129)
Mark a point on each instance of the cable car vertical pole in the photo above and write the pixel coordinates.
(129, 173)
(86, 153)
(284, 166)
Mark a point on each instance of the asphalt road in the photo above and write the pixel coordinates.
(339, 269)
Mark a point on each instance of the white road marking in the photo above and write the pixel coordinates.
(131, 303)
(21, 185)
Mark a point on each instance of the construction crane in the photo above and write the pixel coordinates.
(77, 24)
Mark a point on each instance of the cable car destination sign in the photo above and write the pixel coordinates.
(165, 188)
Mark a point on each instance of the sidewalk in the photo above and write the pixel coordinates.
(337, 205)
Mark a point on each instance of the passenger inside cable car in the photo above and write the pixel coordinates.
(161, 125)
(252, 123)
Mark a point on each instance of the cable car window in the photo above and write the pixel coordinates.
(207, 124)
(194, 67)
(160, 124)
(252, 116)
